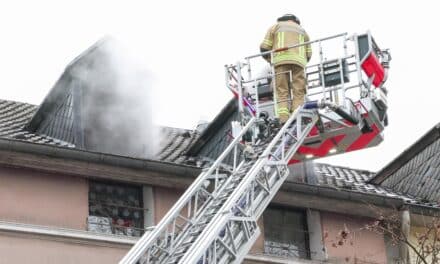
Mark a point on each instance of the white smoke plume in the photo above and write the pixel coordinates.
(116, 101)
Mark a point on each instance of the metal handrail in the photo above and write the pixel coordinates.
(295, 46)
(334, 93)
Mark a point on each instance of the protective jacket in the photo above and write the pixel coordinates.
(285, 34)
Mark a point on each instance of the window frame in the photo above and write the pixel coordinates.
(141, 208)
(304, 226)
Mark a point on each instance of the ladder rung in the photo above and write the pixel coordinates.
(195, 232)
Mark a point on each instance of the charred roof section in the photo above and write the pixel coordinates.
(59, 115)
(15, 115)
(100, 103)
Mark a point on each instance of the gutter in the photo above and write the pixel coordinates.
(328, 192)
(99, 158)
(424, 210)
(342, 194)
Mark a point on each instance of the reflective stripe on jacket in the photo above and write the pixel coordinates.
(284, 34)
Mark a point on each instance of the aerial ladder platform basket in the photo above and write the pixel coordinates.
(215, 220)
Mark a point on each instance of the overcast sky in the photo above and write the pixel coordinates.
(185, 45)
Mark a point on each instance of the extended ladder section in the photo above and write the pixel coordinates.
(215, 221)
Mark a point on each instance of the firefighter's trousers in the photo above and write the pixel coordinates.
(290, 81)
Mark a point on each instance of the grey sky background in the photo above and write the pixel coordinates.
(185, 44)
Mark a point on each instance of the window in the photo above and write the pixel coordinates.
(115, 209)
(285, 233)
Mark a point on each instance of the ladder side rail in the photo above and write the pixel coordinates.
(148, 239)
(282, 131)
(257, 197)
(184, 237)
(219, 221)
(261, 205)
(261, 200)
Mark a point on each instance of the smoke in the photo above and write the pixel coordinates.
(116, 110)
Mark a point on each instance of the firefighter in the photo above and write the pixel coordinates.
(287, 32)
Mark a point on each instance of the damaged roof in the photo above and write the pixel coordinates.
(14, 116)
(99, 104)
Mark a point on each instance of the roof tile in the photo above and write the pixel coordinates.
(15, 115)
(356, 180)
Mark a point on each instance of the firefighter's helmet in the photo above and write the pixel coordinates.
(287, 17)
